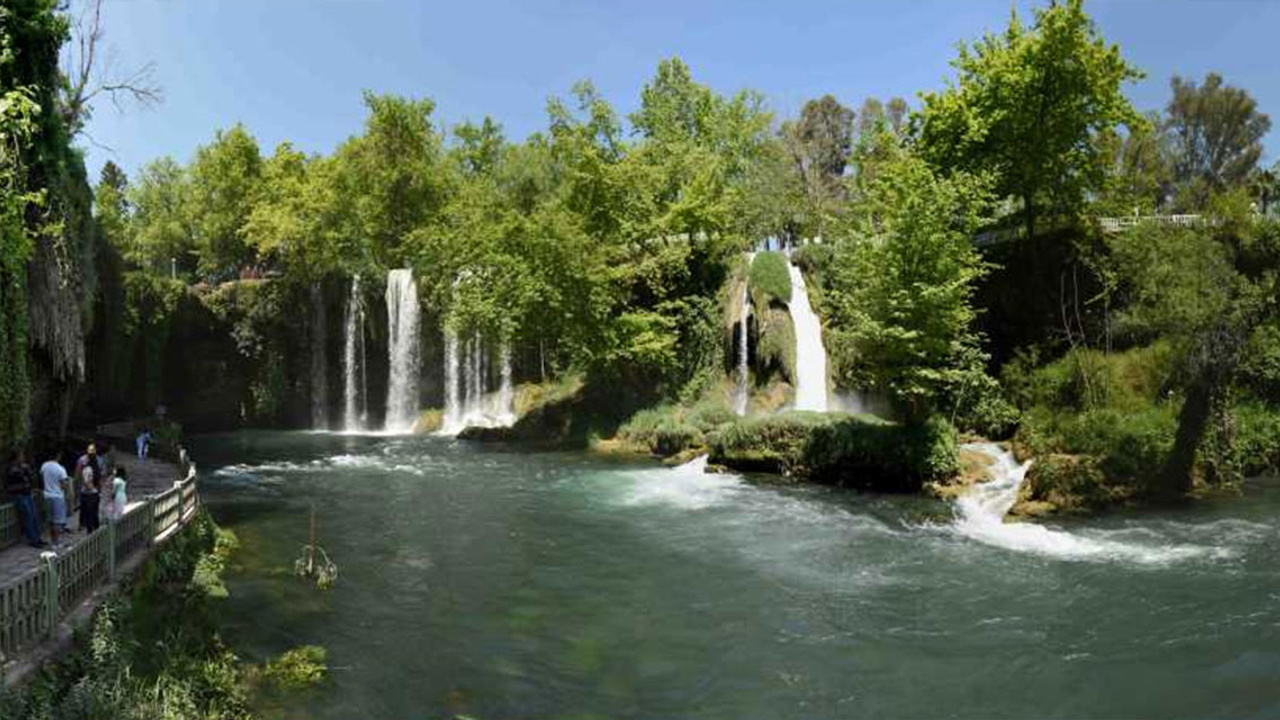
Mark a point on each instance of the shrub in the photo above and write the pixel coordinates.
(770, 279)
(848, 450)
(771, 443)
(981, 408)
(1130, 446)
(1070, 483)
(671, 429)
(296, 669)
(1083, 379)
(1257, 439)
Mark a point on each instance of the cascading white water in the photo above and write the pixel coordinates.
(506, 392)
(319, 361)
(352, 360)
(980, 515)
(475, 379)
(742, 393)
(811, 355)
(403, 351)
(452, 392)
(468, 402)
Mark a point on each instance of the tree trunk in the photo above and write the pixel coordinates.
(1175, 476)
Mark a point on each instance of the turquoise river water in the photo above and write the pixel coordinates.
(497, 583)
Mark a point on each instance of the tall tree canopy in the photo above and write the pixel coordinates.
(223, 183)
(1216, 134)
(1026, 106)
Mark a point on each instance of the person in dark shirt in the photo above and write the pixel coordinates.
(18, 483)
(89, 474)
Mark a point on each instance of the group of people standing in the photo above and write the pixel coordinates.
(93, 476)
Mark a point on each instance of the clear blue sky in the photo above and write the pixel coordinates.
(294, 69)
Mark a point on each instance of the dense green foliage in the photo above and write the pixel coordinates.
(900, 293)
(770, 280)
(1025, 108)
(846, 450)
(670, 429)
(119, 674)
(154, 652)
(602, 248)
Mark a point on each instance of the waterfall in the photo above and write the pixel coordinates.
(506, 393)
(402, 348)
(475, 379)
(467, 400)
(811, 355)
(452, 393)
(319, 362)
(353, 360)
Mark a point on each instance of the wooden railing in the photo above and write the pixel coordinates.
(32, 604)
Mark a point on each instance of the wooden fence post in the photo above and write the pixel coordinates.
(50, 560)
(151, 521)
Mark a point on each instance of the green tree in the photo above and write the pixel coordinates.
(222, 187)
(392, 174)
(1139, 178)
(1216, 133)
(300, 222)
(111, 205)
(480, 146)
(161, 231)
(820, 143)
(1265, 187)
(1026, 106)
(1208, 290)
(902, 281)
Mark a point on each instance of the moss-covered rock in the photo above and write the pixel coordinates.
(975, 467)
(1068, 484)
(776, 347)
(429, 421)
(859, 451)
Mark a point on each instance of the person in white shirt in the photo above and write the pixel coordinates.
(119, 496)
(53, 475)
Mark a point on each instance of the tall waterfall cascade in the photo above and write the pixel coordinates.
(319, 361)
(403, 350)
(354, 393)
(468, 401)
(811, 355)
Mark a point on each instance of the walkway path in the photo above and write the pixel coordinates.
(151, 477)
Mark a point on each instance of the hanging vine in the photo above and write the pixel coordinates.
(17, 113)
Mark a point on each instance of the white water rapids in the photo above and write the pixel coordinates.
(980, 515)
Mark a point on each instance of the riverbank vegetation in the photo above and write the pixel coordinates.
(975, 259)
(155, 652)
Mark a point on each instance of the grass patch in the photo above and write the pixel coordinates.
(769, 278)
(1111, 408)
